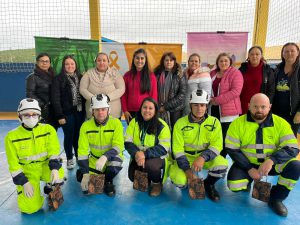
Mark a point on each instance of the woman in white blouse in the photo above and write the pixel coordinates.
(197, 79)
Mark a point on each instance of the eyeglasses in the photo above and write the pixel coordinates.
(27, 116)
(44, 61)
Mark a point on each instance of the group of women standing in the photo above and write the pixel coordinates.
(65, 99)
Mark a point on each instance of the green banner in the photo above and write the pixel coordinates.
(84, 51)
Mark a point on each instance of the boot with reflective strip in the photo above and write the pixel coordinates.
(96, 183)
(140, 181)
(55, 198)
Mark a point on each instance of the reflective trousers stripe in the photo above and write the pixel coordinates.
(288, 183)
(237, 185)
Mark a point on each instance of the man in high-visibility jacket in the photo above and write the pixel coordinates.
(32, 151)
(197, 143)
(261, 144)
(100, 146)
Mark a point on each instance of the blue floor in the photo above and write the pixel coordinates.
(133, 207)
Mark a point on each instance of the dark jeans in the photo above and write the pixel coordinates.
(290, 119)
(152, 166)
(174, 116)
(216, 113)
(71, 133)
(225, 127)
(48, 116)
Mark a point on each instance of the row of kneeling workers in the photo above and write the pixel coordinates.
(33, 152)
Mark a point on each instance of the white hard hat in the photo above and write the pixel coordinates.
(199, 96)
(100, 101)
(29, 105)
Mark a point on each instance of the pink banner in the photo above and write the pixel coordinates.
(210, 44)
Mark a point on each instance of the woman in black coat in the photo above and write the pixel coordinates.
(286, 103)
(171, 89)
(38, 87)
(68, 105)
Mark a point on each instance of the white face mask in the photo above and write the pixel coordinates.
(30, 122)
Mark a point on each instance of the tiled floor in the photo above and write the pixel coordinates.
(132, 207)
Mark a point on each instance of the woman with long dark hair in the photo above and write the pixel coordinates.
(258, 77)
(171, 87)
(286, 101)
(68, 105)
(148, 142)
(140, 83)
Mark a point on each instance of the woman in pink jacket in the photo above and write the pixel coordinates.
(140, 83)
(227, 84)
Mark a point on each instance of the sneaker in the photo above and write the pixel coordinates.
(70, 164)
(248, 189)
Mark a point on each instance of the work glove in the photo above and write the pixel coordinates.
(28, 190)
(101, 163)
(54, 176)
(85, 182)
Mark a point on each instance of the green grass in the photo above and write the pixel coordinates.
(19, 55)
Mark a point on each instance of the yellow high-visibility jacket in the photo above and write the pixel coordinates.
(248, 142)
(191, 140)
(97, 140)
(24, 146)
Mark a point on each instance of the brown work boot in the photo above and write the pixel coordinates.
(278, 207)
(212, 193)
(155, 189)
